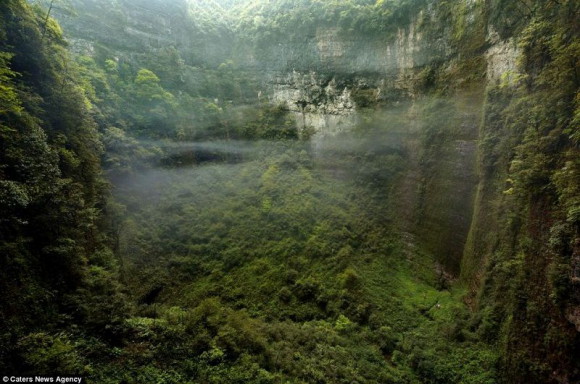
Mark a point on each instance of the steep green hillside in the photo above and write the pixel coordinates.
(53, 242)
(529, 194)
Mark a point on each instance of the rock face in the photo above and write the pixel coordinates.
(501, 62)
(317, 105)
(315, 79)
(323, 89)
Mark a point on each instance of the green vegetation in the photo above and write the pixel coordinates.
(293, 19)
(51, 193)
(162, 220)
(537, 255)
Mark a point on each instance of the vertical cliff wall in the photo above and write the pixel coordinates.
(336, 81)
(490, 183)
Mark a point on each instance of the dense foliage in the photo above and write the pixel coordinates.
(51, 192)
(229, 247)
(263, 21)
(537, 257)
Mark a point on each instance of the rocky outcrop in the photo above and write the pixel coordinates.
(319, 106)
(501, 60)
(315, 80)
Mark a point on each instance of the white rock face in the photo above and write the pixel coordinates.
(501, 60)
(401, 54)
(388, 66)
(318, 107)
(329, 46)
(321, 106)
